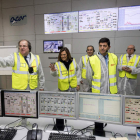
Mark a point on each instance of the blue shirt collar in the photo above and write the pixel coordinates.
(106, 56)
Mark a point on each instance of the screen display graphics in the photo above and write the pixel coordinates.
(132, 111)
(61, 23)
(129, 18)
(52, 46)
(99, 107)
(20, 104)
(98, 20)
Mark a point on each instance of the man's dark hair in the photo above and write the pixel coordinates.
(105, 40)
(29, 44)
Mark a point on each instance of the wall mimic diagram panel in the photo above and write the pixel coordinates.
(57, 105)
(61, 22)
(98, 20)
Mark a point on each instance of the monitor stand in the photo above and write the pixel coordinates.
(98, 130)
(59, 125)
(24, 122)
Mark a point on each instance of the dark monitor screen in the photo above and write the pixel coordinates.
(52, 46)
(131, 111)
(20, 104)
(105, 108)
(57, 104)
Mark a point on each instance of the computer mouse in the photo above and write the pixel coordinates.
(29, 135)
(39, 134)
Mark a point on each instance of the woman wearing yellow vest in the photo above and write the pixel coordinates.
(101, 69)
(67, 70)
(82, 64)
(129, 67)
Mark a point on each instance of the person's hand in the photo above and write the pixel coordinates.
(78, 88)
(129, 70)
(125, 68)
(41, 89)
(52, 67)
(81, 82)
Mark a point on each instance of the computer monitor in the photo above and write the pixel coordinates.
(98, 20)
(59, 105)
(102, 108)
(131, 110)
(61, 22)
(22, 104)
(52, 46)
(129, 18)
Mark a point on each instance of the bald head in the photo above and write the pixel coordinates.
(131, 49)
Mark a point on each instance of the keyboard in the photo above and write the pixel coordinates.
(58, 136)
(7, 134)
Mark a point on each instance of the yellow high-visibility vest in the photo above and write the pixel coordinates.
(84, 61)
(20, 75)
(96, 67)
(67, 78)
(133, 63)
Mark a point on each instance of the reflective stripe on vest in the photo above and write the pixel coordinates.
(61, 76)
(131, 64)
(18, 66)
(84, 61)
(20, 72)
(67, 78)
(96, 81)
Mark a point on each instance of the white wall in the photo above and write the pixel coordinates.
(34, 29)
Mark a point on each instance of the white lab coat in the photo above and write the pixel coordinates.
(85, 87)
(127, 86)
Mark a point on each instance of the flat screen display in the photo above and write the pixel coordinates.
(21, 104)
(129, 18)
(131, 111)
(98, 20)
(52, 46)
(57, 104)
(61, 23)
(100, 107)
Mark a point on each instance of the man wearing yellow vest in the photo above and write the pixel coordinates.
(67, 70)
(101, 69)
(27, 70)
(82, 64)
(129, 67)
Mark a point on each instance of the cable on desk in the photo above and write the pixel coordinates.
(83, 129)
(22, 128)
(66, 125)
(11, 123)
(47, 127)
(24, 137)
(117, 134)
(105, 125)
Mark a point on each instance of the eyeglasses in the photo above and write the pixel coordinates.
(22, 46)
(130, 48)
